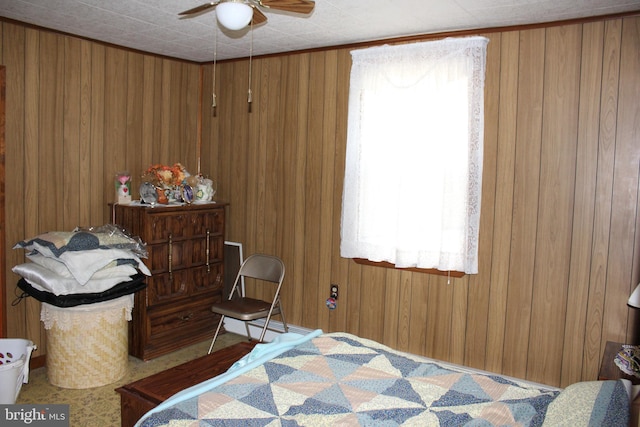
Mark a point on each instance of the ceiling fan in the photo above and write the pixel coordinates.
(237, 14)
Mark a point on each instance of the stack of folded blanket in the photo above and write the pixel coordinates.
(83, 266)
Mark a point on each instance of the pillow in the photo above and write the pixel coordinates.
(121, 267)
(72, 300)
(55, 243)
(84, 252)
(44, 279)
(590, 403)
(84, 264)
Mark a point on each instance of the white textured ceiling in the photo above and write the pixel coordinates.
(154, 26)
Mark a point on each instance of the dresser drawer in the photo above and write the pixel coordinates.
(165, 287)
(178, 254)
(207, 279)
(183, 225)
(211, 222)
(205, 251)
(159, 226)
(161, 256)
(173, 327)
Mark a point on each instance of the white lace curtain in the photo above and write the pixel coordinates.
(413, 172)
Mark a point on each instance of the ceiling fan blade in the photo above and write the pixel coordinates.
(258, 17)
(199, 9)
(296, 6)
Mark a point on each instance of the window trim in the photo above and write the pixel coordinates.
(385, 264)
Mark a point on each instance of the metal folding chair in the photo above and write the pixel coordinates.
(269, 271)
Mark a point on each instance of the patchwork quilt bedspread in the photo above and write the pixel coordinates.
(340, 379)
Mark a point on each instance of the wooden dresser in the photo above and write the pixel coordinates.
(185, 246)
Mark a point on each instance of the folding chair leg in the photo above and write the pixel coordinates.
(246, 326)
(284, 321)
(216, 334)
(268, 319)
(264, 328)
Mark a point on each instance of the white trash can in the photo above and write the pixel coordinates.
(87, 345)
(15, 354)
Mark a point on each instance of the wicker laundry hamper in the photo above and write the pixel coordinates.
(87, 345)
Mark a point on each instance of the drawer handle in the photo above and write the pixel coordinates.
(208, 250)
(170, 256)
(186, 317)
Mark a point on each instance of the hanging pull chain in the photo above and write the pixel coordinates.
(214, 104)
(249, 94)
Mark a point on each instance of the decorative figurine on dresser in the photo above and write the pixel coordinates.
(185, 244)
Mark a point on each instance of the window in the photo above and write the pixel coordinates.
(413, 172)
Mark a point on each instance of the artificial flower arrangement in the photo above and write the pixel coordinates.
(175, 183)
(164, 176)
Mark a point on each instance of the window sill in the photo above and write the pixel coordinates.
(385, 264)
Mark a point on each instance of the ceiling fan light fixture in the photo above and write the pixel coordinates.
(234, 15)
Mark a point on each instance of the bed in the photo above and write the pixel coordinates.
(341, 379)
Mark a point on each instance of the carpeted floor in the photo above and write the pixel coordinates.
(100, 406)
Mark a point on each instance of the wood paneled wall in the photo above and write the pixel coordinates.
(77, 113)
(559, 224)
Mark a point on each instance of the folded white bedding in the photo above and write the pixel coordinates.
(47, 280)
(82, 253)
